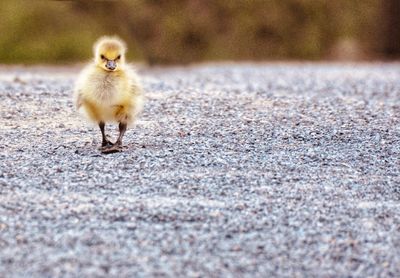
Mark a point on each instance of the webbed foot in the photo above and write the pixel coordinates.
(106, 143)
(112, 149)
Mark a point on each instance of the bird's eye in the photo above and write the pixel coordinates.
(119, 57)
(102, 57)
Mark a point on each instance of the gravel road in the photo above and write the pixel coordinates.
(233, 170)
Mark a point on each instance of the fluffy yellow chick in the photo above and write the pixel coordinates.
(108, 90)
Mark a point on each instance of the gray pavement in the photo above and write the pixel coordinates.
(233, 170)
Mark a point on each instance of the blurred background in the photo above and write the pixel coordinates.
(186, 31)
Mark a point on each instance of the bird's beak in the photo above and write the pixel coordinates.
(111, 65)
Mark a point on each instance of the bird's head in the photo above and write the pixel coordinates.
(109, 53)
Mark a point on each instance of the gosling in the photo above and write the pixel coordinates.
(108, 90)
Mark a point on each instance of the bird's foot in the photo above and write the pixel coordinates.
(106, 143)
(112, 149)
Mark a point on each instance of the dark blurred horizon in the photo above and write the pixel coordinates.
(185, 31)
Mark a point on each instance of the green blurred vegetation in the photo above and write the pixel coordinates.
(182, 31)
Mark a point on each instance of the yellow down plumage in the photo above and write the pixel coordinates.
(108, 90)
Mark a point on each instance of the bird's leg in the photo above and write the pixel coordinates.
(105, 142)
(122, 129)
(117, 147)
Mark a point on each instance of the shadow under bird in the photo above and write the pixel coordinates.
(109, 90)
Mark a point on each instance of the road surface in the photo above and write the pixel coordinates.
(233, 170)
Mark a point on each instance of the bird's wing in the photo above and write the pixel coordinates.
(136, 89)
(136, 93)
(135, 84)
(78, 99)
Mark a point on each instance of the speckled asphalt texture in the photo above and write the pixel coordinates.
(233, 170)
